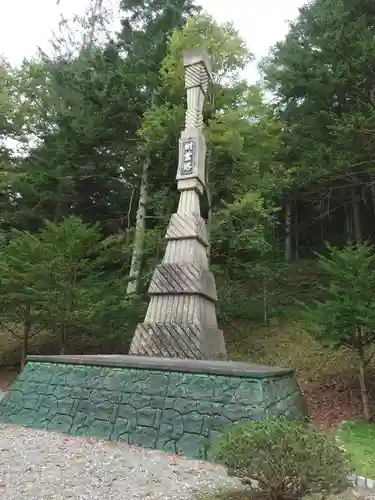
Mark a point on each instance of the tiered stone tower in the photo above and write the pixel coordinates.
(181, 320)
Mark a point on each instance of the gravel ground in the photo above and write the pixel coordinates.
(43, 465)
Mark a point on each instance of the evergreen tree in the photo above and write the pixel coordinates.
(346, 316)
(69, 276)
(21, 297)
(322, 79)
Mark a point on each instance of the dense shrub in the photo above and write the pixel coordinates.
(288, 460)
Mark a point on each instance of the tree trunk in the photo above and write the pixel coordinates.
(288, 232)
(373, 193)
(322, 224)
(25, 342)
(363, 386)
(209, 200)
(62, 339)
(278, 240)
(207, 175)
(209, 225)
(265, 301)
(138, 246)
(348, 226)
(296, 232)
(57, 213)
(357, 227)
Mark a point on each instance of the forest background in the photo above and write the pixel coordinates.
(88, 160)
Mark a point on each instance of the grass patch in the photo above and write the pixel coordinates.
(358, 439)
(287, 345)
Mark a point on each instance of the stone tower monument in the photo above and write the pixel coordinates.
(181, 320)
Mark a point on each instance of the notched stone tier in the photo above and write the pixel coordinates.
(188, 279)
(187, 226)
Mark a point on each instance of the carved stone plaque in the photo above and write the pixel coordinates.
(188, 157)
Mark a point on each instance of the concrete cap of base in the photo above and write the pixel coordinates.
(211, 367)
(198, 56)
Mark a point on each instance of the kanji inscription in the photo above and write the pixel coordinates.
(187, 164)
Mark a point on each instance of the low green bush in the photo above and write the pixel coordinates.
(288, 460)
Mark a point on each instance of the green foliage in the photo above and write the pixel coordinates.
(58, 281)
(19, 270)
(147, 28)
(263, 288)
(66, 278)
(229, 52)
(346, 315)
(324, 92)
(78, 295)
(20, 295)
(241, 226)
(288, 460)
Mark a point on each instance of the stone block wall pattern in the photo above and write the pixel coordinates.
(178, 411)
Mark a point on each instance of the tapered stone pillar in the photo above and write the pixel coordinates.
(181, 319)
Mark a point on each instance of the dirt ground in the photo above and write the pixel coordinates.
(331, 401)
(6, 378)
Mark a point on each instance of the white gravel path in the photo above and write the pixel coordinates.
(43, 465)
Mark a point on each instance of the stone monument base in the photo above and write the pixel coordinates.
(174, 405)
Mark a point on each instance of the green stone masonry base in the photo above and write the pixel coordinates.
(174, 405)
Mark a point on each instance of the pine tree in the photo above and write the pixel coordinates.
(67, 277)
(346, 317)
(21, 297)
